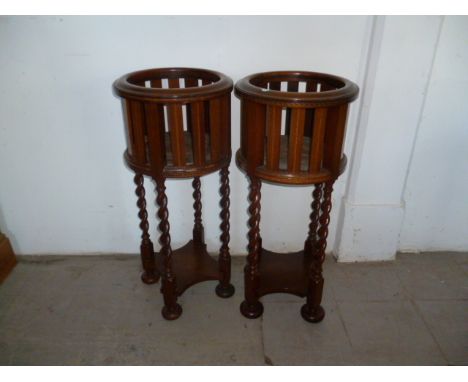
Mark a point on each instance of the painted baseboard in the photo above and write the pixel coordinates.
(369, 232)
(7, 257)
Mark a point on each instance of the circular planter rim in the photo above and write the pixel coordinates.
(347, 93)
(126, 89)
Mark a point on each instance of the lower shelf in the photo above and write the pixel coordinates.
(283, 273)
(191, 264)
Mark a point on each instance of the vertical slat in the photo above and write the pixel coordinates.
(334, 134)
(156, 83)
(188, 119)
(255, 135)
(325, 86)
(293, 86)
(215, 133)
(206, 81)
(138, 129)
(198, 132)
(275, 85)
(225, 125)
(191, 82)
(174, 83)
(316, 149)
(273, 125)
(206, 106)
(154, 115)
(129, 127)
(176, 131)
(311, 86)
(309, 123)
(243, 130)
(296, 139)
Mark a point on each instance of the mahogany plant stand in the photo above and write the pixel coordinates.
(292, 132)
(178, 126)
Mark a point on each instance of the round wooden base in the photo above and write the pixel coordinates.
(312, 315)
(173, 313)
(225, 291)
(251, 310)
(149, 278)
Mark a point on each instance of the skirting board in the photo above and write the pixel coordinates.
(369, 232)
(7, 257)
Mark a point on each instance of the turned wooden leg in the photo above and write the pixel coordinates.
(251, 307)
(224, 288)
(198, 230)
(312, 311)
(171, 309)
(150, 274)
(314, 221)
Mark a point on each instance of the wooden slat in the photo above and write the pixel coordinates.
(296, 139)
(188, 119)
(205, 81)
(176, 131)
(334, 134)
(243, 129)
(225, 125)
(174, 83)
(311, 86)
(287, 122)
(273, 125)
(129, 127)
(154, 115)
(293, 86)
(309, 123)
(156, 83)
(198, 132)
(325, 87)
(316, 149)
(215, 130)
(275, 85)
(138, 130)
(255, 134)
(206, 106)
(191, 82)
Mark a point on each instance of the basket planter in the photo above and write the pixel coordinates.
(292, 133)
(178, 126)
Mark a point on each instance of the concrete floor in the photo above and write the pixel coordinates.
(80, 310)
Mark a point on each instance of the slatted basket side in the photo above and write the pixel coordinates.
(177, 135)
(293, 140)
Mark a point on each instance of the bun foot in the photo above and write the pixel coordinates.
(251, 310)
(172, 313)
(225, 291)
(312, 314)
(149, 278)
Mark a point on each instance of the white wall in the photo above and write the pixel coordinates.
(64, 187)
(436, 193)
(408, 179)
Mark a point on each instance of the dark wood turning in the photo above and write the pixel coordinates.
(198, 230)
(312, 311)
(178, 125)
(149, 275)
(251, 307)
(314, 220)
(225, 288)
(292, 132)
